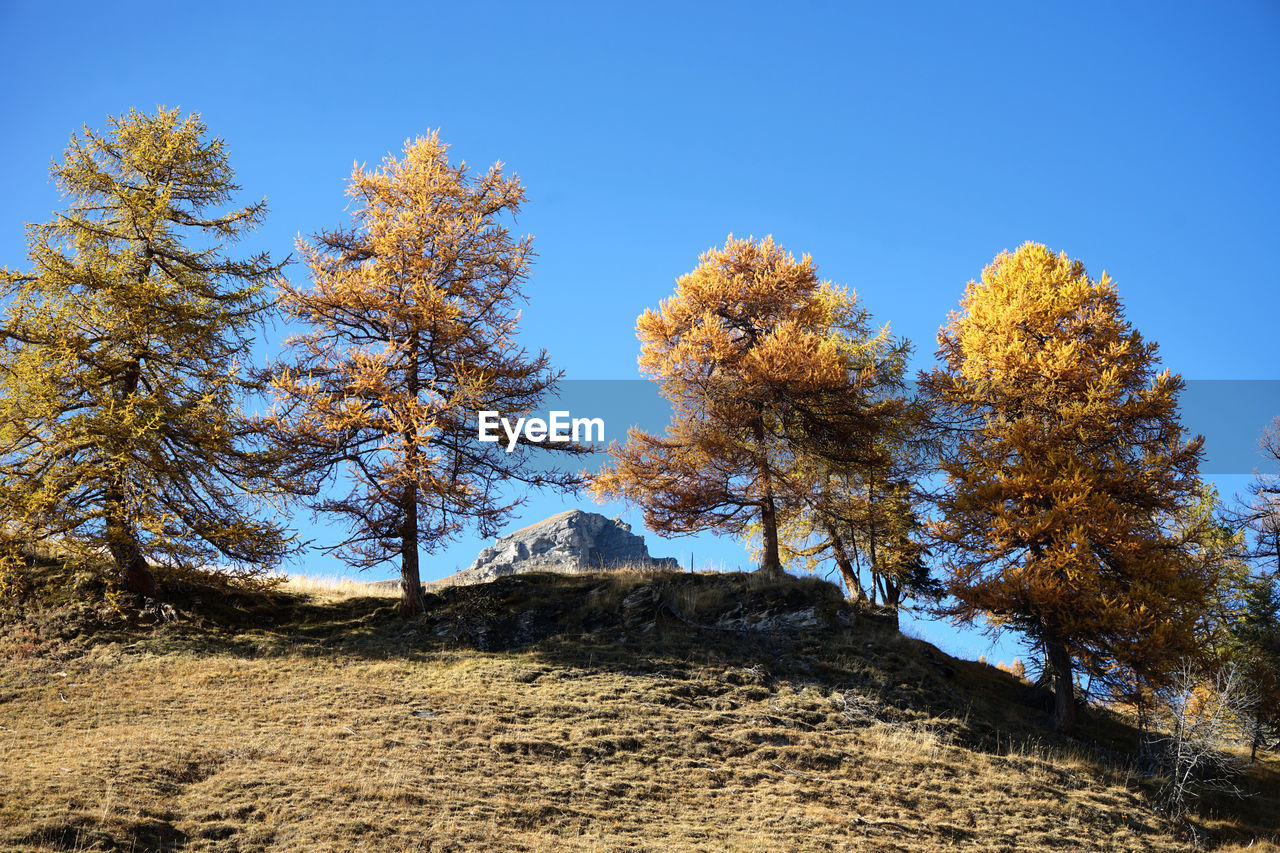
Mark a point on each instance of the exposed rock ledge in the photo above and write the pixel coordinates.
(568, 542)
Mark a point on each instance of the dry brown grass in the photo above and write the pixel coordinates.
(295, 753)
(334, 588)
(341, 728)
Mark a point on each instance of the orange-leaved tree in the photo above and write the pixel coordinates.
(855, 500)
(1067, 473)
(765, 367)
(861, 506)
(413, 312)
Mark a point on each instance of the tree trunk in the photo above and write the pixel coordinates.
(134, 573)
(877, 580)
(122, 540)
(1064, 700)
(851, 581)
(770, 561)
(411, 600)
(892, 599)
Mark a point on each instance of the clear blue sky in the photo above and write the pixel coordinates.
(901, 144)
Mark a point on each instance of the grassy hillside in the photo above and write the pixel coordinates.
(627, 712)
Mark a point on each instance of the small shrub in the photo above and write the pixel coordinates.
(1199, 720)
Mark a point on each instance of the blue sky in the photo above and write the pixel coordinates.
(902, 145)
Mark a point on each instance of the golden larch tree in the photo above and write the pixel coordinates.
(871, 527)
(764, 366)
(124, 359)
(412, 315)
(1066, 474)
(864, 509)
(854, 495)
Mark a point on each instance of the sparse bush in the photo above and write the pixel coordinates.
(1198, 722)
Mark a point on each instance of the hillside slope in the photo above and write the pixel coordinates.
(621, 712)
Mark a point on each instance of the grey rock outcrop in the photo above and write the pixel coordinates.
(568, 542)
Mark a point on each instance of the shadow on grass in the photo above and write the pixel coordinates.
(85, 833)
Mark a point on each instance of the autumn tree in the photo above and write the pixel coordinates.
(1066, 472)
(765, 367)
(873, 531)
(123, 360)
(860, 507)
(412, 315)
(1209, 545)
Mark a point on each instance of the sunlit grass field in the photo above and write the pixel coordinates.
(309, 717)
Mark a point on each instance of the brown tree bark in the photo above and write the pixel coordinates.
(1064, 699)
(770, 561)
(411, 600)
(851, 581)
(134, 573)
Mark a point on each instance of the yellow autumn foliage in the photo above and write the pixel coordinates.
(1065, 481)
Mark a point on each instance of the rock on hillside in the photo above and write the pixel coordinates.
(568, 542)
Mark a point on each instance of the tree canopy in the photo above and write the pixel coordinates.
(855, 498)
(765, 367)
